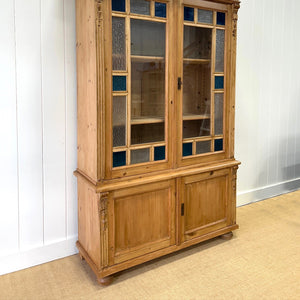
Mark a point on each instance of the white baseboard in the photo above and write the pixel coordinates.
(269, 191)
(25, 259)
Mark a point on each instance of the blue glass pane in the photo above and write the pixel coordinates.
(187, 149)
(119, 83)
(118, 5)
(219, 82)
(119, 159)
(188, 14)
(159, 153)
(219, 145)
(220, 18)
(160, 10)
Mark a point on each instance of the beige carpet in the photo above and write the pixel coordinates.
(262, 261)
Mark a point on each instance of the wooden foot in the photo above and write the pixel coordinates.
(226, 236)
(106, 280)
(81, 257)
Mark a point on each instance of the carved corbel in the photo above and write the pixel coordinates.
(235, 7)
(103, 218)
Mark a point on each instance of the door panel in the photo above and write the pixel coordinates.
(205, 198)
(143, 220)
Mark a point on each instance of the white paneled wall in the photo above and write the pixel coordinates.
(38, 205)
(268, 99)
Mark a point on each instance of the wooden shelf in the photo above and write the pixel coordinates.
(196, 61)
(189, 117)
(138, 58)
(146, 120)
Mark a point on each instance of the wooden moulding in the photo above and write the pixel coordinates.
(105, 272)
(106, 186)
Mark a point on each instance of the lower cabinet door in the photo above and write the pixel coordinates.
(204, 203)
(141, 220)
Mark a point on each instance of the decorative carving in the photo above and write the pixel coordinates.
(235, 7)
(103, 213)
(234, 171)
(99, 10)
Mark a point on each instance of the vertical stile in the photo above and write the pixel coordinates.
(128, 59)
(213, 64)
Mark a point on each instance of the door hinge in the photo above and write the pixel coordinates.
(179, 83)
(182, 209)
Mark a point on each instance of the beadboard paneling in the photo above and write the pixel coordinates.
(29, 115)
(9, 222)
(268, 97)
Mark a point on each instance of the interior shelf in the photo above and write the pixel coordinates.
(146, 120)
(196, 61)
(139, 58)
(188, 117)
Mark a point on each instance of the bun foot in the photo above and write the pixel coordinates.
(226, 236)
(81, 257)
(105, 281)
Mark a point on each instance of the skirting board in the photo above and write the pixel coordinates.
(247, 197)
(25, 259)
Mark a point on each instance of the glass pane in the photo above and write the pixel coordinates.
(188, 14)
(160, 10)
(219, 145)
(220, 41)
(147, 38)
(219, 82)
(187, 149)
(221, 18)
(203, 147)
(118, 43)
(147, 133)
(196, 128)
(119, 83)
(205, 16)
(141, 7)
(218, 114)
(119, 159)
(119, 121)
(140, 156)
(197, 42)
(147, 90)
(159, 153)
(196, 89)
(118, 5)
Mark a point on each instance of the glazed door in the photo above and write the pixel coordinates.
(204, 203)
(140, 110)
(202, 82)
(141, 220)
